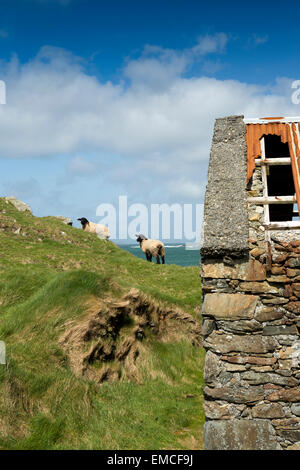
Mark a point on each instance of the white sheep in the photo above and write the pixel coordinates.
(151, 248)
(101, 231)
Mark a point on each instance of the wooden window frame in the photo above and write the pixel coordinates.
(266, 200)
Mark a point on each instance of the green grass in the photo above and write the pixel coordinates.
(48, 273)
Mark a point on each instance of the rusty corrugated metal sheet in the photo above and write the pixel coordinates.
(289, 133)
(295, 161)
(272, 118)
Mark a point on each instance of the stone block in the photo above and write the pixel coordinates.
(268, 411)
(279, 279)
(212, 367)
(275, 301)
(293, 262)
(256, 252)
(288, 428)
(262, 368)
(230, 306)
(287, 291)
(272, 330)
(226, 343)
(292, 352)
(293, 307)
(277, 270)
(279, 259)
(235, 367)
(269, 314)
(255, 378)
(249, 270)
(294, 446)
(261, 361)
(208, 326)
(216, 410)
(240, 326)
(240, 434)
(285, 364)
(258, 288)
(296, 409)
(291, 395)
(235, 393)
(292, 272)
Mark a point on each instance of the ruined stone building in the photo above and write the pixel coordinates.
(251, 285)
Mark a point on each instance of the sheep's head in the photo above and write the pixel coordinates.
(140, 238)
(83, 221)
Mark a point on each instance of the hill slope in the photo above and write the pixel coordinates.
(103, 349)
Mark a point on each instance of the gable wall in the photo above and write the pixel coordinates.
(251, 322)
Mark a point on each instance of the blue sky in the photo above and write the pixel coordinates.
(109, 98)
(105, 32)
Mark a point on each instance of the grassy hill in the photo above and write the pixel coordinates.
(103, 349)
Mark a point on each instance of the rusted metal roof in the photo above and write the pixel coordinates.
(288, 129)
(254, 133)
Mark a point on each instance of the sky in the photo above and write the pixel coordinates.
(119, 97)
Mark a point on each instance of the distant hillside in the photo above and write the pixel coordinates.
(103, 348)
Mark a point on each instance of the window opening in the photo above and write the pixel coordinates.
(280, 180)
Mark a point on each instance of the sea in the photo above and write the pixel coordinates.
(176, 253)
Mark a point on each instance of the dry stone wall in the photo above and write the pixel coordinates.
(251, 324)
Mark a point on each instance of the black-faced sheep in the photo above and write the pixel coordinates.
(101, 231)
(151, 248)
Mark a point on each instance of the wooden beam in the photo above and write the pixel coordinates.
(290, 225)
(264, 173)
(272, 200)
(273, 161)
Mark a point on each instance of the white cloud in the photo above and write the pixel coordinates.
(156, 119)
(157, 72)
(211, 44)
(157, 68)
(80, 166)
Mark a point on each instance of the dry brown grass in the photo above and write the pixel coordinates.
(106, 345)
